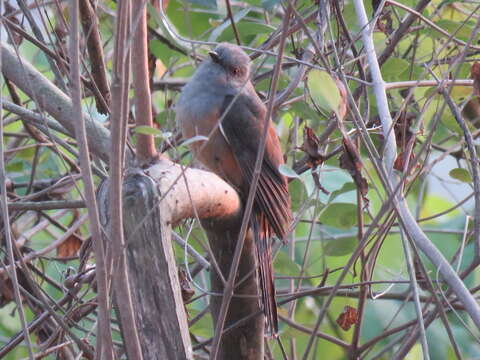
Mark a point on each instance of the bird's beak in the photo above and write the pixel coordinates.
(215, 57)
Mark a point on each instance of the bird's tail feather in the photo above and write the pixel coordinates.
(262, 234)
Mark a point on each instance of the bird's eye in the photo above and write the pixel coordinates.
(236, 71)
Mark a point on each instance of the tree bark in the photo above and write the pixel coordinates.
(244, 342)
(160, 315)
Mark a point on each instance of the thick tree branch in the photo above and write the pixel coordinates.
(51, 99)
(189, 193)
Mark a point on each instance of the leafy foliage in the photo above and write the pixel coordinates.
(334, 215)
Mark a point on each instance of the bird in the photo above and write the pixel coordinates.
(220, 102)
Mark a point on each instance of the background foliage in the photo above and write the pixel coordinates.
(329, 219)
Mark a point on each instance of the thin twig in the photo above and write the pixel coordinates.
(104, 347)
(232, 21)
(146, 150)
(229, 286)
(407, 220)
(10, 241)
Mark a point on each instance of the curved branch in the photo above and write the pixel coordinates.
(411, 227)
(193, 192)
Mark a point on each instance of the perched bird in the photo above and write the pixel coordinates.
(220, 102)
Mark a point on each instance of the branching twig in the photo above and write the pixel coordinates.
(407, 220)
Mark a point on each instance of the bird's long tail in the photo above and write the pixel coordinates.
(262, 233)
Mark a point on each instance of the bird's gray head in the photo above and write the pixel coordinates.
(233, 60)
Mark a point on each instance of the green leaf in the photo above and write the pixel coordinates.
(461, 174)
(26, 154)
(211, 4)
(202, 327)
(415, 353)
(269, 4)
(147, 130)
(339, 215)
(348, 186)
(297, 193)
(288, 172)
(435, 204)
(393, 68)
(303, 110)
(340, 246)
(161, 51)
(284, 265)
(245, 28)
(450, 123)
(227, 23)
(458, 29)
(323, 91)
(15, 166)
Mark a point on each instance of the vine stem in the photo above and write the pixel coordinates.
(412, 229)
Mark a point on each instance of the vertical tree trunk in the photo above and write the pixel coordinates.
(159, 310)
(246, 341)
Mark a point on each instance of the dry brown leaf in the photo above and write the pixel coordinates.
(69, 247)
(311, 146)
(347, 318)
(6, 290)
(475, 73)
(187, 291)
(350, 161)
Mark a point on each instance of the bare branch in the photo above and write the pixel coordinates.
(51, 99)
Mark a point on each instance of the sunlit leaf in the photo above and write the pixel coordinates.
(435, 204)
(324, 91)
